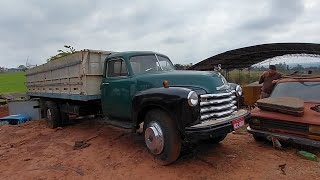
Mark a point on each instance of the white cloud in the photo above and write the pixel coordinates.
(187, 31)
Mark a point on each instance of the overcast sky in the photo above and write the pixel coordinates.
(187, 31)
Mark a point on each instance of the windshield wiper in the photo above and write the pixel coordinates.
(149, 69)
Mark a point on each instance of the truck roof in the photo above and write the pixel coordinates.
(134, 53)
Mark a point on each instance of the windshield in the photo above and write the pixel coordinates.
(307, 91)
(150, 63)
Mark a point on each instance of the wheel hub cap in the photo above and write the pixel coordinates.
(49, 114)
(154, 138)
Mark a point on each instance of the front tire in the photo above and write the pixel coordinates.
(52, 115)
(162, 137)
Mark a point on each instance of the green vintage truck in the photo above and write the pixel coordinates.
(135, 88)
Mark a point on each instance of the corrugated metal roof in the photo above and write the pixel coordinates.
(248, 56)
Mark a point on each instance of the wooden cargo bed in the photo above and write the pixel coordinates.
(77, 76)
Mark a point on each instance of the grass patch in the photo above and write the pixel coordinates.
(243, 77)
(12, 83)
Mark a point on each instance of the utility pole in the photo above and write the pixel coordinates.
(27, 62)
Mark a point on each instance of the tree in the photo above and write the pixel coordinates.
(182, 67)
(62, 53)
(298, 67)
(22, 66)
(281, 66)
(179, 67)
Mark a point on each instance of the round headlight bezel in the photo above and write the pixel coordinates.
(193, 99)
(238, 90)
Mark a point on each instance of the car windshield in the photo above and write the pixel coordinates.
(307, 91)
(150, 63)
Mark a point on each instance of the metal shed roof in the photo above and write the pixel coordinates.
(248, 56)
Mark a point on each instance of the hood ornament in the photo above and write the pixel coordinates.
(224, 87)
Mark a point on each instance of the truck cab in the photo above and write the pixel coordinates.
(144, 87)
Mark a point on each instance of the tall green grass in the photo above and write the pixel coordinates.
(244, 77)
(12, 83)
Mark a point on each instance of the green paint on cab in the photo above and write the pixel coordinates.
(117, 92)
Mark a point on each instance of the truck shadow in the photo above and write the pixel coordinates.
(133, 146)
(199, 150)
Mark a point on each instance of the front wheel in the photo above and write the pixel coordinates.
(161, 137)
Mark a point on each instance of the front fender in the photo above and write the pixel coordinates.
(173, 100)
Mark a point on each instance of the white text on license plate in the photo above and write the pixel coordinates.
(238, 123)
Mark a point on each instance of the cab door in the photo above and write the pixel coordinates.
(116, 90)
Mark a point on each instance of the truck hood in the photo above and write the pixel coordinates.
(204, 80)
(309, 117)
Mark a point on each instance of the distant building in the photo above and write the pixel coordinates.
(15, 69)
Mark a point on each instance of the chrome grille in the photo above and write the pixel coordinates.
(217, 105)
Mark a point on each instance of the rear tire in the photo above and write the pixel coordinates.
(64, 118)
(162, 137)
(43, 108)
(52, 115)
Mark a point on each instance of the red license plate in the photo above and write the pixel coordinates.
(238, 123)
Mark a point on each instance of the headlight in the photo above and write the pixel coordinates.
(238, 90)
(192, 98)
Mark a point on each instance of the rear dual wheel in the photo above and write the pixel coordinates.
(54, 117)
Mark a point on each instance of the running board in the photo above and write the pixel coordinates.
(119, 124)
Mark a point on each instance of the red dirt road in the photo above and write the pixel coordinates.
(3, 111)
(32, 151)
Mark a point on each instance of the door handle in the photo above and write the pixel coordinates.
(105, 83)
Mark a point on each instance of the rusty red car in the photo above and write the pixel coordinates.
(303, 129)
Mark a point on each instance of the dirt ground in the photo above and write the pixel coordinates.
(3, 111)
(32, 151)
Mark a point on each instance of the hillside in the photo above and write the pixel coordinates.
(12, 83)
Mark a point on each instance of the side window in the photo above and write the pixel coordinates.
(165, 63)
(145, 63)
(116, 68)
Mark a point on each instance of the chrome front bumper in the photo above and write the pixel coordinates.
(216, 125)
